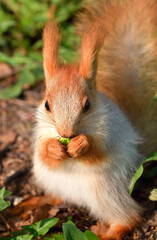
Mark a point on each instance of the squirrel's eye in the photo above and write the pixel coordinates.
(86, 106)
(47, 106)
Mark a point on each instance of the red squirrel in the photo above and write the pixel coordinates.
(103, 104)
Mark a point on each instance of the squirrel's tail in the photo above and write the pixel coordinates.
(127, 62)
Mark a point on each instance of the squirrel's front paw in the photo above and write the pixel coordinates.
(77, 145)
(56, 150)
(53, 152)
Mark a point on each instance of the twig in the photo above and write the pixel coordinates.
(16, 175)
(6, 223)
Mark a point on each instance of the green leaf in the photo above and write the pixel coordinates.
(41, 227)
(4, 192)
(44, 225)
(137, 175)
(69, 218)
(26, 77)
(4, 204)
(72, 233)
(54, 237)
(64, 141)
(16, 60)
(69, 55)
(69, 9)
(6, 24)
(18, 236)
(71, 222)
(152, 158)
(22, 43)
(58, 236)
(139, 171)
(154, 101)
(17, 233)
(24, 237)
(90, 235)
(7, 59)
(11, 91)
(153, 195)
(7, 238)
(48, 238)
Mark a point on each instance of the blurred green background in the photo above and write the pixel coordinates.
(21, 24)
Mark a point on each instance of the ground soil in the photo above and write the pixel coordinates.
(16, 121)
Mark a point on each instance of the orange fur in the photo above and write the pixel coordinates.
(51, 39)
(91, 44)
(36, 202)
(78, 145)
(69, 78)
(94, 155)
(114, 232)
(131, 81)
(66, 76)
(52, 152)
(127, 71)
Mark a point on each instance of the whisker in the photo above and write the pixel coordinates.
(42, 116)
(44, 119)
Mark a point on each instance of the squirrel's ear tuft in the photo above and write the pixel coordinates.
(51, 38)
(91, 43)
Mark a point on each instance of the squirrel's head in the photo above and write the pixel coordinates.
(70, 90)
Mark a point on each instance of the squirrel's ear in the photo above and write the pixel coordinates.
(91, 43)
(51, 38)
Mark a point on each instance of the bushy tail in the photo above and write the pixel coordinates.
(127, 63)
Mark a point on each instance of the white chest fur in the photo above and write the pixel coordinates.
(72, 183)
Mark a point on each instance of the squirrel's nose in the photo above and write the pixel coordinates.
(66, 133)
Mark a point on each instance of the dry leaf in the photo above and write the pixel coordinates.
(53, 212)
(7, 138)
(35, 202)
(5, 70)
